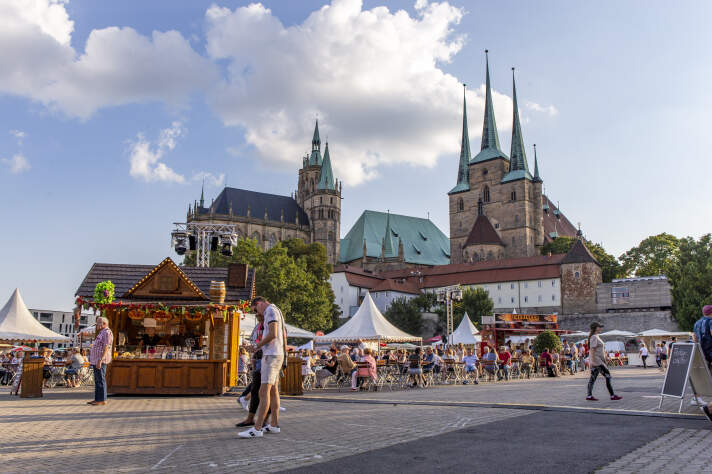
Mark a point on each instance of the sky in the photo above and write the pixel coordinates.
(113, 113)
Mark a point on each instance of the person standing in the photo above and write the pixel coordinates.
(99, 358)
(273, 346)
(658, 354)
(597, 360)
(253, 389)
(702, 335)
(644, 354)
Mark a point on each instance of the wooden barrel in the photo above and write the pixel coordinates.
(291, 382)
(217, 292)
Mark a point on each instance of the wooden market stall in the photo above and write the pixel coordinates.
(499, 328)
(176, 329)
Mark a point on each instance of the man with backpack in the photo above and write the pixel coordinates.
(702, 334)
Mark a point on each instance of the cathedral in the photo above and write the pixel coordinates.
(312, 214)
(497, 208)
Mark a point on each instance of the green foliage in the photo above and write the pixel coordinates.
(475, 302)
(104, 292)
(690, 274)
(426, 301)
(610, 267)
(405, 315)
(547, 340)
(655, 255)
(293, 275)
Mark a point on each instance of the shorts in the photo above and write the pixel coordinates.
(271, 367)
(415, 371)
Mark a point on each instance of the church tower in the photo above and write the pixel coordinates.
(495, 207)
(319, 194)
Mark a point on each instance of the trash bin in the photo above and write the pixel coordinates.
(291, 382)
(31, 382)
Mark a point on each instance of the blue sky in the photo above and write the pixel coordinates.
(113, 112)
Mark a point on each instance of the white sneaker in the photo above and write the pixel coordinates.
(282, 409)
(251, 433)
(270, 429)
(245, 404)
(697, 401)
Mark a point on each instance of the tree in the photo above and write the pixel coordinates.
(610, 267)
(426, 301)
(547, 340)
(475, 302)
(690, 275)
(655, 255)
(405, 315)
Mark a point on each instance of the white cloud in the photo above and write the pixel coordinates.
(145, 158)
(210, 179)
(373, 76)
(19, 135)
(118, 65)
(17, 164)
(547, 109)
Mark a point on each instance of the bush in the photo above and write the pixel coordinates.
(547, 340)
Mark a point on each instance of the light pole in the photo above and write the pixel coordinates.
(203, 237)
(447, 295)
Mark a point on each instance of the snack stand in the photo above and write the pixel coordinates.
(176, 329)
(499, 328)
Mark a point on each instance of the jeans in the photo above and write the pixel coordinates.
(527, 369)
(645, 360)
(594, 375)
(659, 362)
(99, 383)
(255, 391)
(505, 371)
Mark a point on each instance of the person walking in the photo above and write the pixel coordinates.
(597, 357)
(253, 389)
(702, 335)
(99, 358)
(644, 354)
(274, 349)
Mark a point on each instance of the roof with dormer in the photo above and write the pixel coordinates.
(483, 233)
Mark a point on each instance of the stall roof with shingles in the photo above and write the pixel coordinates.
(125, 276)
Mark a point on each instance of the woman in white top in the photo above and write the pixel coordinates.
(597, 356)
(643, 354)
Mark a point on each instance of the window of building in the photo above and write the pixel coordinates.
(619, 294)
(331, 235)
(513, 240)
(512, 299)
(499, 300)
(553, 282)
(526, 284)
(460, 204)
(513, 196)
(332, 201)
(539, 298)
(553, 297)
(486, 194)
(496, 225)
(516, 218)
(320, 200)
(526, 299)
(577, 274)
(511, 286)
(484, 171)
(499, 287)
(539, 283)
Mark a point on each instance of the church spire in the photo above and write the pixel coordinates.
(537, 178)
(202, 194)
(326, 179)
(315, 158)
(388, 246)
(518, 167)
(463, 171)
(489, 148)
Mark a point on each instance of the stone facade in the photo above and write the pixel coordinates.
(578, 287)
(636, 321)
(323, 206)
(632, 294)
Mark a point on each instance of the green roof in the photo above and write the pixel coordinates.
(518, 167)
(489, 148)
(326, 178)
(315, 157)
(423, 243)
(463, 171)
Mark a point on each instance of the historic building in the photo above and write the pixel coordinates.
(497, 208)
(313, 213)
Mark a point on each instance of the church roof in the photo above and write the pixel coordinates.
(257, 202)
(315, 157)
(579, 253)
(483, 233)
(555, 226)
(489, 148)
(326, 178)
(518, 166)
(423, 243)
(463, 171)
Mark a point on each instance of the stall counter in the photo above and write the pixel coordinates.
(166, 377)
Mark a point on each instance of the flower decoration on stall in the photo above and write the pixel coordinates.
(104, 292)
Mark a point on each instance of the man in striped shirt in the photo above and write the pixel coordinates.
(99, 358)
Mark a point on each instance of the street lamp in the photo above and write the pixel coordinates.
(447, 295)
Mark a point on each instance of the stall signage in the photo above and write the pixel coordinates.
(529, 318)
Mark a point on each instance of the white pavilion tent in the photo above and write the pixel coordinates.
(466, 332)
(617, 333)
(18, 325)
(368, 324)
(663, 334)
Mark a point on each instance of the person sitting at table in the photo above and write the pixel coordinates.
(74, 365)
(415, 368)
(428, 360)
(470, 361)
(568, 359)
(460, 352)
(547, 361)
(329, 369)
(505, 362)
(437, 362)
(346, 363)
(527, 362)
(490, 362)
(367, 359)
(47, 367)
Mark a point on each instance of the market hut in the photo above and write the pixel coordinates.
(176, 329)
(369, 326)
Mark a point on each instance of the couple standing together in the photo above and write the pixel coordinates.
(272, 346)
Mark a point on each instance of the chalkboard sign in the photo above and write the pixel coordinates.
(678, 369)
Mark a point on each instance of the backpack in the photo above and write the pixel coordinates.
(706, 340)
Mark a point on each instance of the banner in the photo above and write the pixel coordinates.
(525, 318)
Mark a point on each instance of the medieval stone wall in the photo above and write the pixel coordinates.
(634, 321)
(578, 287)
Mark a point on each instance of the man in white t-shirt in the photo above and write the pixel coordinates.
(273, 346)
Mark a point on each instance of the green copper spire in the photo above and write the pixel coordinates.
(315, 157)
(202, 194)
(463, 171)
(489, 148)
(518, 167)
(326, 179)
(537, 178)
(388, 247)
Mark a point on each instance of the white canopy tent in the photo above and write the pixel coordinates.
(250, 321)
(466, 333)
(308, 346)
(574, 335)
(663, 334)
(617, 333)
(18, 325)
(368, 324)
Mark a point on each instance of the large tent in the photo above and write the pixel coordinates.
(18, 325)
(368, 324)
(466, 332)
(617, 333)
(663, 334)
(248, 323)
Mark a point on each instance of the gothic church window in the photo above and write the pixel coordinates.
(331, 235)
(486, 194)
(484, 171)
(272, 241)
(514, 196)
(516, 218)
(321, 213)
(460, 204)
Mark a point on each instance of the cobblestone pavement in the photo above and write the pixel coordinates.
(60, 433)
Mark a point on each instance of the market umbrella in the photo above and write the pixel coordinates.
(574, 335)
(617, 333)
(21, 348)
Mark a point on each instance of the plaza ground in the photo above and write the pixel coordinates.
(539, 425)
